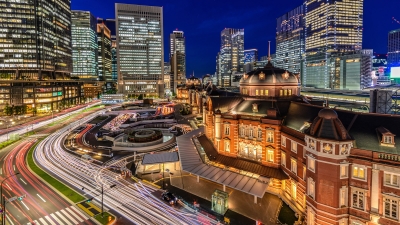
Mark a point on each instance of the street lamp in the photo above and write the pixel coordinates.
(1, 194)
(102, 192)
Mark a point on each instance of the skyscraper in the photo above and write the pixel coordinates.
(231, 54)
(140, 47)
(84, 45)
(250, 56)
(332, 26)
(177, 58)
(394, 48)
(35, 45)
(290, 40)
(110, 23)
(104, 54)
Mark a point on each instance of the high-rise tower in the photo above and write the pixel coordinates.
(177, 57)
(84, 45)
(231, 54)
(332, 27)
(394, 48)
(35, 46)
(290, 40)
(104, 55)
(140, 47)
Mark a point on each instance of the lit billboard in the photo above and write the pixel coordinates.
(395, 72)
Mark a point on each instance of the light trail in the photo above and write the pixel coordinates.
(134, 201)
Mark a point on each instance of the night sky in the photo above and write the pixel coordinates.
(203, 21)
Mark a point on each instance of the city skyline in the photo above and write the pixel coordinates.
(202, 25)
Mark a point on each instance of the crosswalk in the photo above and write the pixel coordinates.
(67, 216)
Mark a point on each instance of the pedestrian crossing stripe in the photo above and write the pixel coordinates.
(67, 216)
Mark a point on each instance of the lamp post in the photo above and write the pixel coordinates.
(102, 192)
(1, 194)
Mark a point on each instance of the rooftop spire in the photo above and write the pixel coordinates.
(269, 64)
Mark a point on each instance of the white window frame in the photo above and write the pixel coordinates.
(283, 158)
(311, 164)
(259, 133)
(294, 146)
(392, 179)
(270, 156)
(392, 201)
(344, 171)
(227, 129)
(283, 141)
(311, 188)
(293, 165)
(294, 190)
(387, 139)
(358, 168)
(358, 192)
(343, 197)
(227, 146)
(270, 135)
(242, 131)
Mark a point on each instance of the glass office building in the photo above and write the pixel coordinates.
(394, 48)
(84, 46)
(290, 40)
(231, 54)
(36, 55)
(140, 52)
(104, 52)
(332, 27)
(177, 58)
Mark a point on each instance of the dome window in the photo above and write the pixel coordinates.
(387, 138)
(255, 108)
(261, 76)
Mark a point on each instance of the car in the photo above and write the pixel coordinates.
(169, 197)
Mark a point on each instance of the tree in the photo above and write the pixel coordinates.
(24, 109)
(8, 110)
(17, 110)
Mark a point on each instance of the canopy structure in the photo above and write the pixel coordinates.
(158, 158)
(191, 162)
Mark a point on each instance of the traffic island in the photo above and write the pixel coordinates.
(106, 218)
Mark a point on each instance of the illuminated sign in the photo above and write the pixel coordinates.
(395, 72)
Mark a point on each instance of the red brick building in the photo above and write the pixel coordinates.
(332, 167)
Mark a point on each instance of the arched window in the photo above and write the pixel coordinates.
(256, 92)
(280, 92)
(261, 92)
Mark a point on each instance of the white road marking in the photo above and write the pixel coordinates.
(8, 186)
(24, 205)
(63, 218)
(36, 222)
(41, 197)
(74, 214)
(23, 181)
(14, 167)
(50, 220)
(43, 221)
(69, 216)
(56, 218)
(10, 220)
(1, 170)
(79, 212)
